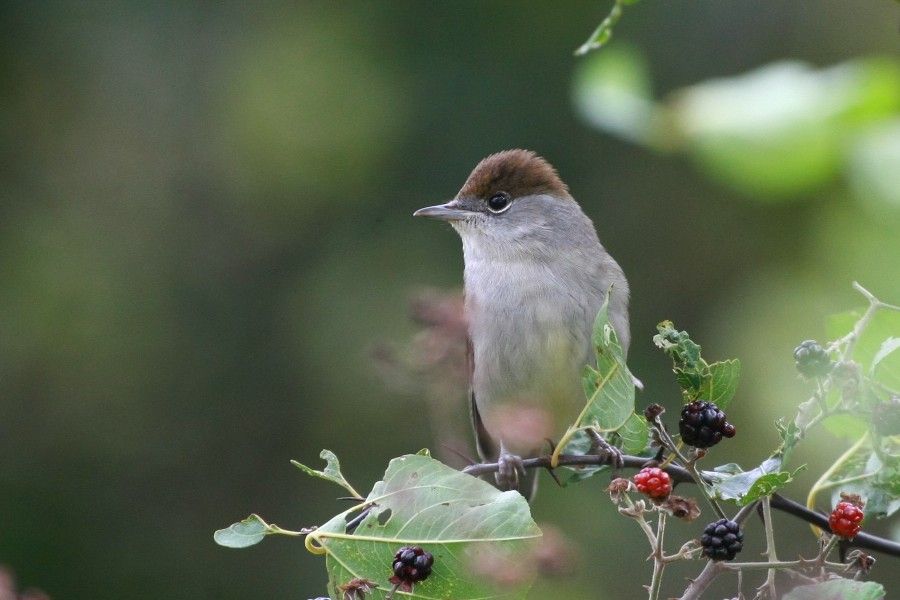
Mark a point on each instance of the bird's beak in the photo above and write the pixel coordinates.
(445, 212)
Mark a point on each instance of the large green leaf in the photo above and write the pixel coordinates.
(462, 520)
(837, 589)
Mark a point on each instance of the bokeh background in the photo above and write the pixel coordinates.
(205, 230)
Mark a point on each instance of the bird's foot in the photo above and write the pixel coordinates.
(600, 447)
(510, 471)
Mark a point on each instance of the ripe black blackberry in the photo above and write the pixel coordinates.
(411, 565)
(812, 360)
(722, 540)
(703, 425)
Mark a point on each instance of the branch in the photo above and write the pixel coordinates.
(679, 474)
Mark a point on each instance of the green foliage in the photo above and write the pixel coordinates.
(604, 31)
(635, 434)
(730, 482)
(476, 532)
(609, 387)
(463, 521)
(876, 349)
(774, 133)
(837, 589)
(699, 380)
(242, 534)
(332, 471)
(613, 91)
(873, 474)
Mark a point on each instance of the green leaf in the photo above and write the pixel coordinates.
(678, 344)
(782, 130)
(873, 475)
(463, 521)
(332, 471)
(635, 434)
(242, 534)
(837, 589)
(790, 435)
(846, 426)
(874, 350)
(609, 387)
(765, 486)
(604, 31)
(886, 362)
(612, 93)
(722, 382)
(729, 482)
(872, 167)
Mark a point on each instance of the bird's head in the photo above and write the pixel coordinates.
(514, 197)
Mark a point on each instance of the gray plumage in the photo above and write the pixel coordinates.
(536, 275)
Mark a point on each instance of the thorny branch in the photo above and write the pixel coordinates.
(681, 475)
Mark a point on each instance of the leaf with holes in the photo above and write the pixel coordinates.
(730, 482)
(332, 471)
(463, 521)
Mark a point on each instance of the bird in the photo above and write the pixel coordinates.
(535, 277)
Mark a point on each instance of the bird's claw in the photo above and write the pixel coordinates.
(510, 471)
(610, 453)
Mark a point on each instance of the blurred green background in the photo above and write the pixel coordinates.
(205, 228)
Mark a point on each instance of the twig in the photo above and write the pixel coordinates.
(659, 565)
(771, 555)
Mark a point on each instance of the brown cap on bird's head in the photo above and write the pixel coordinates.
(516, 172)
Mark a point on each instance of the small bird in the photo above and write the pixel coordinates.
(536, 276)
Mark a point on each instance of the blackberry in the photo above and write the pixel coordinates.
(722, 540)
(654, 482)
(844, 520)
(703, 425)
(812, 360)
(411, 565)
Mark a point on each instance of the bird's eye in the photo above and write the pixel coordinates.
(498, 202)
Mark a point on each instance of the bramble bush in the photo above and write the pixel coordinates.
(427, 530)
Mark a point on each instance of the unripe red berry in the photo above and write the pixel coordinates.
(654, 482)
(845, 519)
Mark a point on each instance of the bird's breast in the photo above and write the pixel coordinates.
(530, 332)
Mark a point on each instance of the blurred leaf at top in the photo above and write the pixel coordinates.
(773, 133)
(613, 93)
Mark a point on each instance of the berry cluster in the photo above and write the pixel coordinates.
(703, 425)
(654, 482)
(812, 360)
(722, 540)
(845, 519)
(411, 565)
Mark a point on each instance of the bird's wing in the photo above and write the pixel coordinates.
(484, 443)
